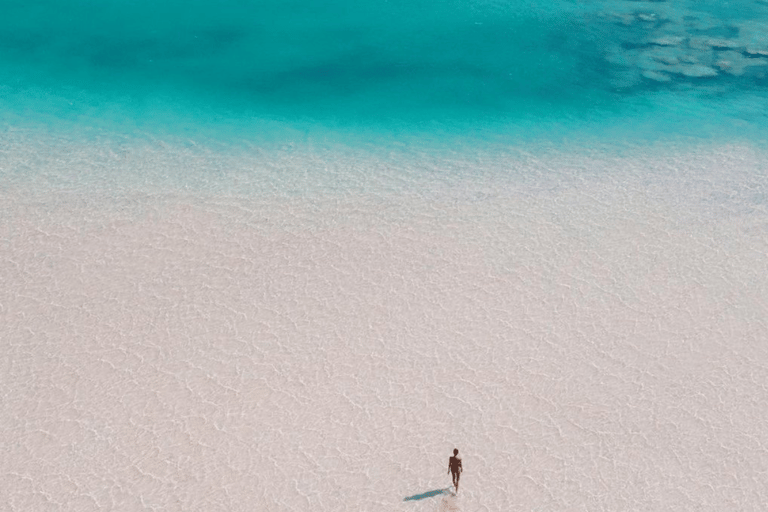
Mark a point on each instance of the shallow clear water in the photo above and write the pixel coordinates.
(389, 69)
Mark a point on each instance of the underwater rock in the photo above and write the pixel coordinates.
(660, 58)
(651, 16)
(705, 43)
(656, 76)
(694, 56)
(736, 64)
(754, 50)
(699, 43)
(686, 65)
(670, 56)
(657, 60)
(622, 18)
(725, 43)
(668, 40)
(754, 36)
(661, 42)
(642, 13)
(696, 70)
(730, 62)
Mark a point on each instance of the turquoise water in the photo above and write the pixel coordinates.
(377, 70)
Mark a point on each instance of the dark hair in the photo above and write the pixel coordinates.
(455, 451)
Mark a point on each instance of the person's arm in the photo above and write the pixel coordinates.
(449, 464)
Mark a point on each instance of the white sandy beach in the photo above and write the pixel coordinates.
(588, 330)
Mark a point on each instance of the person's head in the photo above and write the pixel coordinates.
(455, 451)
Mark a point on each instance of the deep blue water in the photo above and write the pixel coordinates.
(384, 70)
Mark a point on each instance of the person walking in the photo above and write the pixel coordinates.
(454, 467)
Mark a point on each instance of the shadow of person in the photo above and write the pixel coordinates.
(428, 494)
